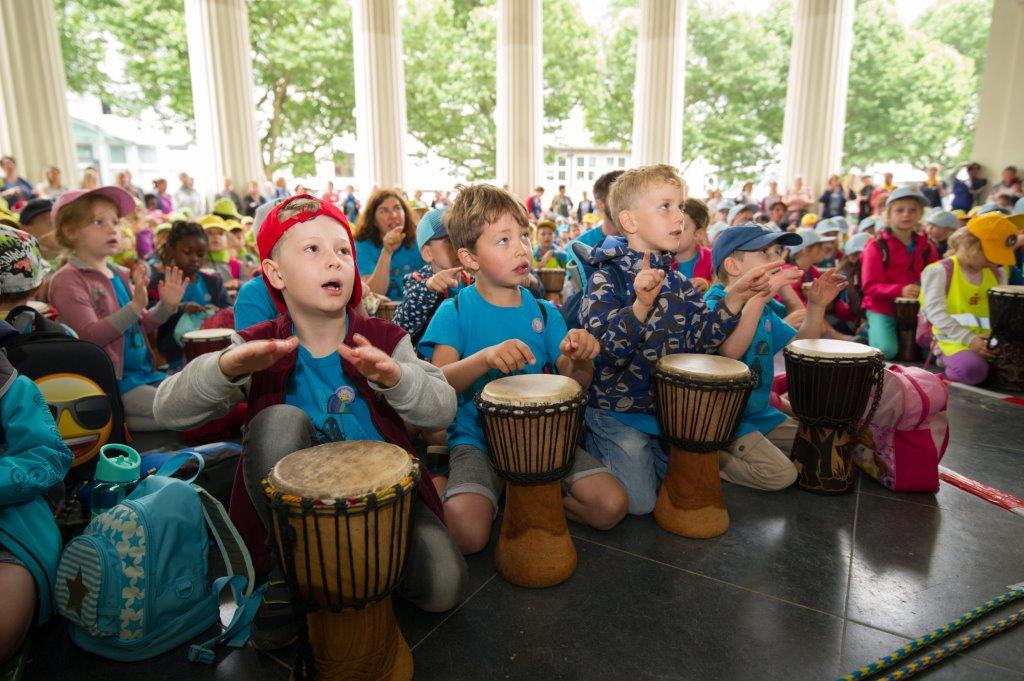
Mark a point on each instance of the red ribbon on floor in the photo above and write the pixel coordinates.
(983, 491)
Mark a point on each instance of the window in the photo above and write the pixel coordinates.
(118, 153)
(550, 174)
(593, 161)
(147, 155)
(579, 161)
(622, 161)
(83, 152)
(561, 175)
(579, 174)
(561, 161)
(591, 175)
(611, 161)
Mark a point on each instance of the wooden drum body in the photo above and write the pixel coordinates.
(1006, 313)
(699, 401)
(830, 386)
(533, 424)
(906, 329)
(386, 310)
(341, 524)
(553, 280)
(202, 341)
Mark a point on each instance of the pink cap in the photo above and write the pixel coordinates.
(122, 199)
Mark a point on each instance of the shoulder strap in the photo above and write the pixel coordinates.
(883, 247)
(232, 549)
(947, 265)
(238, 630)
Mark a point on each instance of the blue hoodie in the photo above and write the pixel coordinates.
(679, 322)
(33, 458)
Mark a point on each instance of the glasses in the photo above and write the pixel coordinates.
(91, 413)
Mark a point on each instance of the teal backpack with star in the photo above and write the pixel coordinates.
(136, 583)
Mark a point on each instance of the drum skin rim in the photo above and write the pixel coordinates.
(386, 495)
(689, 381)
(864, 352)
(1007, 291)
(207, 334)
(568, 382)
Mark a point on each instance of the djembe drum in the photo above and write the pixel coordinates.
(532, 424)
(341, 526)
(906, 329)
(1006, 314)
(699, 400)
(386, 310)
(830, 385)
(202, 341)
(553, 280)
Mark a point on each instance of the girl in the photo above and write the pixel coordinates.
(693, 260)
(105, 303)
(386, 243)
(185, 250)
(954, 294)
(839, 323)
(833, 199)
(218, 254)
(849, 267)
(892, 264)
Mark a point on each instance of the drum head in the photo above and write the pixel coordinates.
(1006, 290)
(831, 349)
(341, 470)
(39, 306)
(906, 301)
(207, 334)
(531, 390)
(704, 367)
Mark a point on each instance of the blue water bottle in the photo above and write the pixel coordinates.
(117, 474)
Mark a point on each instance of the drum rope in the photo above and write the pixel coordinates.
(822, 384)
(967, 640)
(677, 398)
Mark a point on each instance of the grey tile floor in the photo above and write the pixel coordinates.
(801, 587)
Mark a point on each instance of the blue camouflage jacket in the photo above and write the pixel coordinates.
(680, 321)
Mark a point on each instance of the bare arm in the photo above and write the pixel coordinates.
(737, 342)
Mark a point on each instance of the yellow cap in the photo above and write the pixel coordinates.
(590, 219)
(213, 222)
(998, 236)
(809, 219)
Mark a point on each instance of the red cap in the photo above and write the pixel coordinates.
(272, 229)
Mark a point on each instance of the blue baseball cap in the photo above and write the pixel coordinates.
(431, 227)
(944, 219)
(739, 208)
(906, 192)
(992, 207)
(747, 237)
(857, 243)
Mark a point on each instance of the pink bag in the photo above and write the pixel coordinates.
(908, 436)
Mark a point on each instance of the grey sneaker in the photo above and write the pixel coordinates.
(273, 627)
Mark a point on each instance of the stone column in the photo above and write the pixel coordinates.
(34, 124)
(220, 60)
(519, 116)
(819, 74)
(999, 135)
(660, 76)
(380, 94)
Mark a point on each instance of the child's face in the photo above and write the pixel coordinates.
(314, 267)
(440, 254)
(655, 223)
(938, 234)
(217, 239)
(748, 260)
(188, 254)
(688, 239)
(100, 237)
(501, 256)
(815, 253)
(742, 217)
(904, 214)
(777, 212)
(828, 249)
(545, 238)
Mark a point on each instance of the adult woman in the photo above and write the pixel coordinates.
(833, 199)
(386, 243)
(798, 197)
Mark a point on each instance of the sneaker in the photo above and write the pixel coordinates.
(273, 627)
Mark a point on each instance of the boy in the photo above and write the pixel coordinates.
(759, 456)
(319, 373)
(495, 327)
(659, 313)
(546, 254)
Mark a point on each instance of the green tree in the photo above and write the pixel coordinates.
(961, 24)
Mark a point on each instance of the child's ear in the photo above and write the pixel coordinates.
(273, 274)
(467, 259)
(626, 222)
(732, 267)
(425, 253)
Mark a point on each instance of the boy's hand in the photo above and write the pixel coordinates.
(749, 285)
(579, 345)
(192, 308)
(254, 356)
(512, 355)
(911, 291)
(546, 257)
(172, 288)
(372, 362)
(783, 278)
(441, 281)
(979, 345)
(825, 289)
(140, 289)
(393, 239)
(647, 285)
(796, 317)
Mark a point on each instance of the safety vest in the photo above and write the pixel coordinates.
(967, 304)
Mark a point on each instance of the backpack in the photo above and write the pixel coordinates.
(572, 305)
(77, 380)
(135, 583)
(923, 335)
(215, 476)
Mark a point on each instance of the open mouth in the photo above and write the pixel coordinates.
(332, 287)
(522, 269)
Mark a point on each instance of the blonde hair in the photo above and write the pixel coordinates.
(477, 206)
(635, 182)
(292, 208)
(74, 215)
(962, 239)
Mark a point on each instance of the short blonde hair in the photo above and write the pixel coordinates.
(477, 206)
(74, 215)
(635, 182)
(963, 239)
(296, 206)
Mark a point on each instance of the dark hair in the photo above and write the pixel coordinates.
(366, 224)
(603, 184)
(180, 230)
(698, 211)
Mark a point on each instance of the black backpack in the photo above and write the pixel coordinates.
(77, 380)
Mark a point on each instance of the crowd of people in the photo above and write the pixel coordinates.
(302, 276)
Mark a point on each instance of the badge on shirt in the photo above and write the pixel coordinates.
(538, 325)
(339, 401)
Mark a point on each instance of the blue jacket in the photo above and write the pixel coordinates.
(33, 458)
(679, 322)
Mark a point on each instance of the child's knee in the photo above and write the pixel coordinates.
(604, 500)
(968, 368)
(469, 517)
(18, 600)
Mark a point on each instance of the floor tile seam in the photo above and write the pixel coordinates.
(272, 656)
(849, 579)
(455, 610)
(710, 578)
(950, 509)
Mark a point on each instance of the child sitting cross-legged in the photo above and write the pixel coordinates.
(496, 327)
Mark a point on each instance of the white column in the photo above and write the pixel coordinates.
(220, 60)
(380, 94)
(660, 77)
(519, 116)
(34, 124)
(999, 136)
(819, 74)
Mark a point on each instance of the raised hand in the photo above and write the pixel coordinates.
(785, 277)
(372, 362)
(393, 239)
(444, 280)
(140, 288)
(255, 356)
(512, 355)
(579, 345)
(648, 283)
(825, 289)
(911, 291)
(796, 317)
(172, 288)
(755, 281)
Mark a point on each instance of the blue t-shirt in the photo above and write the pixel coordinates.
(318, 386)
(136, 368)
(477, 324)
(686, 268)
(254, 304)
(197, 292)
(771, 336)
(405, 260)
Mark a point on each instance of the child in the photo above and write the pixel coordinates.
(759, 456)
(495, 327)
(849, 267)
(319, 373)
(218, 255)
(33, 458)
(693, 260)
(803, 255)
(107, 304)
(185, 250)
(954, 293)
(659, 313)
(545, 254)
(892, 263)
(23, 270)
(740, 214)
(939, 226)
(831, 237)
